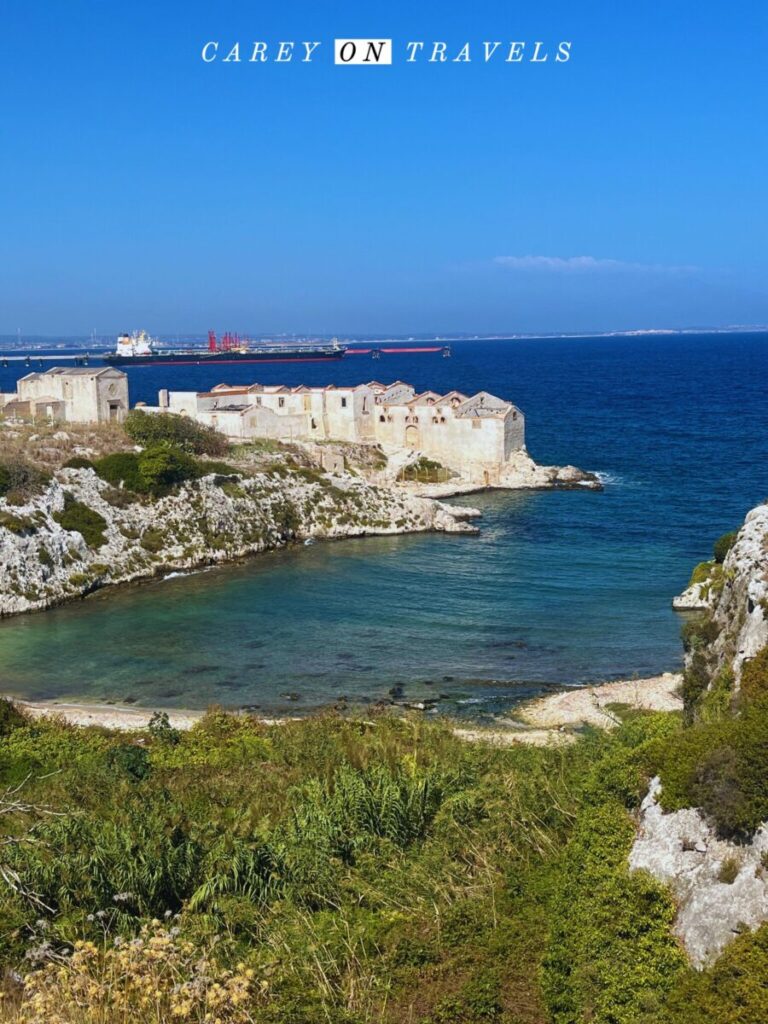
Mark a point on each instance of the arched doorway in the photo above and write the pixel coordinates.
(412, 436)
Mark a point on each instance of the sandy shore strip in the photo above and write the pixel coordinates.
(587, 705)
(108, 716)
(550, 720)
(544, 721)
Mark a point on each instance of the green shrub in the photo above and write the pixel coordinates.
(150, 429)
(697, 634)
(207, 466)
(754, 676)
(77, 462)
(79, 518)
(119, 497)
(44, 557)
(699, 631)
(10, 717)
(130, 760)
(152, 540)
(701, 573)
(720, 767)
(287, 518)
(724, 544)
(161, 469)
(156, 470)
(729, 871)
(121, 470)
(17, 524)
(160, 729)
(426, 470)
(19, 481)
(717, 702)
(696, 679)
(732, 991)
(612, 958)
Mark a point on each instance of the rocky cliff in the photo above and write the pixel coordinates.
(720, 884)
(733, 595)
(81, 534)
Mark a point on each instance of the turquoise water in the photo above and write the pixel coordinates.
(563, 587)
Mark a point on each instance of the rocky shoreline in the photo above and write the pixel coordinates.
(213, 520)
(48, 557)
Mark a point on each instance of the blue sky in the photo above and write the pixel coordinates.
(624, 189)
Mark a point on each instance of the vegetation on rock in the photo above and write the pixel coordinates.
(84, 520)
(426, 471)
(723, 545)
(176, 431)
(20, 481)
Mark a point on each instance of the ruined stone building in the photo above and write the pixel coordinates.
(475, 434)
(73, 394)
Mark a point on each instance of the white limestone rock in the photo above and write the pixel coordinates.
(693, 598)
(42, 564)
(739, 609)
(523, 473)
(682, 851)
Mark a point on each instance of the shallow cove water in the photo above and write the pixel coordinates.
(563, 587)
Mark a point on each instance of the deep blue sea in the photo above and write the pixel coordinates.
(569, 587)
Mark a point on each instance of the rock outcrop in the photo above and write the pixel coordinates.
(694, 598)
(521, 472)
(740, 605)
(721, 889)
(214, 519)
(735, 596)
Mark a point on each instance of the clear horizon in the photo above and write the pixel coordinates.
(620, 191)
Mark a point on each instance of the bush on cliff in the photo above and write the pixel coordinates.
(84, 520)
(611, 957)
(754, 676)
(156, 470)
(178, 431)
(701, 573)
(724, 544)
(11, 717)
(162, 468)
(732, 991)
(720, 767)
(78, 462)
(425, 470)
(120, 469)
(19, 481)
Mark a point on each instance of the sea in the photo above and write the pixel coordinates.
(558, 588)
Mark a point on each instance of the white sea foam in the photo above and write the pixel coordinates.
(189, 572)
(610, 479)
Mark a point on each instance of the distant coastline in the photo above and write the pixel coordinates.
(105, 341)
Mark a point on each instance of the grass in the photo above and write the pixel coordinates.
(349, 870)
(49, 446)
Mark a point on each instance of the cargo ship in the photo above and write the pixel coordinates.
(139, 349)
